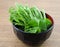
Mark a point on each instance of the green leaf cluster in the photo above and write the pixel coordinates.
(31, 19)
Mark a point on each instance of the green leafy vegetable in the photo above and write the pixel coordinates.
(31, 19)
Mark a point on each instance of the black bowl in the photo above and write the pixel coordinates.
(32, 38)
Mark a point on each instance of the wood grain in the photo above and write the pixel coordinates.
(7, 36)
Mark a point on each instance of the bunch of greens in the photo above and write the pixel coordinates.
(31, 19)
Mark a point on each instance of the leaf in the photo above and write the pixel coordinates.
(35, 11)
(42, 25)
(33, 30)
(48, 22)
(32, 19)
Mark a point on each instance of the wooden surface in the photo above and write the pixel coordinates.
(7, 36)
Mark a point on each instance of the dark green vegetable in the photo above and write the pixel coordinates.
(33, 20)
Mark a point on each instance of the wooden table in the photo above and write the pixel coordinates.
(7, 36)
